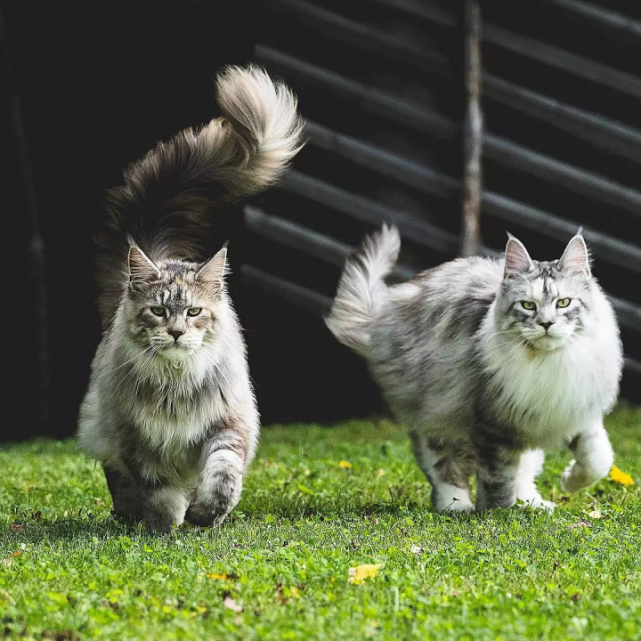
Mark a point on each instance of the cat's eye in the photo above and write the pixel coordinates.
(194, 311)
(157, 311)
(563, 302)
(529, 305)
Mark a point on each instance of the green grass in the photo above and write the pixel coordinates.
(68, 571)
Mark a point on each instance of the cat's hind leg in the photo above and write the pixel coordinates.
(498, 464)
(530, 466)
(593, 458)
(448, 467)
(220, 482)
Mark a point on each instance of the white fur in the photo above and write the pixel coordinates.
(554, 395)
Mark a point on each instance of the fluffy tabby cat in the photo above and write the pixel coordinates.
(487, 362)
(170, 410)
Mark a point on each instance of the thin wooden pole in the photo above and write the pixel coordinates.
(472, 133)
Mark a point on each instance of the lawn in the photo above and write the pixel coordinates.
(317, 502)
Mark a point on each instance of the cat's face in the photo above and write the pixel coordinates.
(545, 303)
(173, 307)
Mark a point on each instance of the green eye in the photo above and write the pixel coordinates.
(529, 305)
(563, 302)
(194, 311)
(157, 311)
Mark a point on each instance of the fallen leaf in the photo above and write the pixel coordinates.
(361, 572)
(380, 474)
(579, 523)
(220, 577)
(230, 604)
(345, 464)
(619, 476)
(595, 514)
(16, 527)
(416, 550)
(17, 554)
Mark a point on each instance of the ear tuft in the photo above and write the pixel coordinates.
(517, 259)
(576, 257)
(213, 271)
(141, 268)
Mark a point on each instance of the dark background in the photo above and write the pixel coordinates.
(99, 83)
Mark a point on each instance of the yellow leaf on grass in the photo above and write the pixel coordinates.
(345, 464)
(220, 577)
(619, 476)
(380, 474)
(362, 572)
(595, 514)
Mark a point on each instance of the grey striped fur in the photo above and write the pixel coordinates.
(483, 383)
(170, 411)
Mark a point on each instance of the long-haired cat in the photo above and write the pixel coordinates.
(170, 410)
(488, 362)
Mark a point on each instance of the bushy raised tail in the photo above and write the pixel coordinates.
(362, 288)
(166, 203)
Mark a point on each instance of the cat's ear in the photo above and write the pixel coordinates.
(212, 273)
(141, 268)
(576, 257)
(517, 260)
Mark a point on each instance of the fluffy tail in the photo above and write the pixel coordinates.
(166, 203)
(361, 289)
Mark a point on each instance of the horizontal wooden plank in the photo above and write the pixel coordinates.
(615, 24)
(334, 26)
(600, 131)
(308, 241)
(290, 292)
(368, 211)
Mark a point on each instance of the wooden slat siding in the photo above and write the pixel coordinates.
(611, 22)
(418, 176)
(370, 212)
(368, 98)
(600, 131)
(510, 154)
(308, 241)
(341, 29)
(550, 55)
(571, 63)
(292, 293)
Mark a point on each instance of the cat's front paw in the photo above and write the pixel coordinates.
(575, 477)
(206, 515)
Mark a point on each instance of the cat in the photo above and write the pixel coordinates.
(488, 362)
(170, 410)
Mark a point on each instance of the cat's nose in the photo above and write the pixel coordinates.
(176, 333)
(547, 325)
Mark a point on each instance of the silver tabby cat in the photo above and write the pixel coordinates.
(170, 410)
(488, 362)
